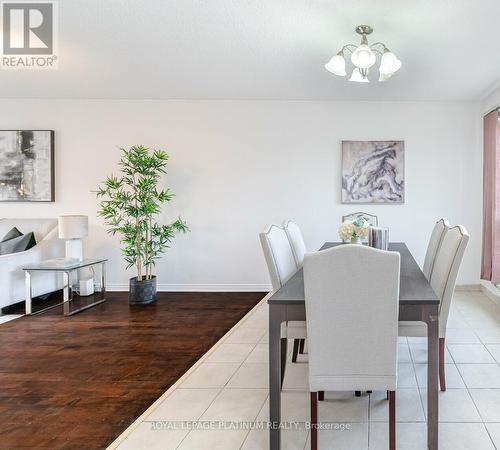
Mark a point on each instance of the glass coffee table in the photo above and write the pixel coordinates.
(67, 268)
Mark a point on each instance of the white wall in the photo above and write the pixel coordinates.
(238, 165)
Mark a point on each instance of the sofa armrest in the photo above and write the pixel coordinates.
(49, 247)
(12, 276)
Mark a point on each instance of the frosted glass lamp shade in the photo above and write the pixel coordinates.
(73, 227)
(363, 57)
(389, 63)
(356, 76)
(336, 65)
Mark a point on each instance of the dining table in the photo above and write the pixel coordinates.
(417, 302)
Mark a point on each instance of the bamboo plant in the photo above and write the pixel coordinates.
(130, 205)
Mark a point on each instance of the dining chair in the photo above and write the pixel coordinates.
(370, 218)
(298, 245)
(438, 232)
(352, 301)
(296, 240)
(281, 266)
(443, 279)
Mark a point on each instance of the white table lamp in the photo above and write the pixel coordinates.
(73, 229)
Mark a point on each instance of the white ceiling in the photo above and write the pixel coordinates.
(264, 49)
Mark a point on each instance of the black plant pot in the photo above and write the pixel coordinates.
(142, 292)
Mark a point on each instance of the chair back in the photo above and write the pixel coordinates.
(352, 299)
(435, 241)
(296, 240)
(279, 256)
(445, 270)
(370, 218)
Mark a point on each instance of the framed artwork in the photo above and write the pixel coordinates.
(27, 166)
(373, 172)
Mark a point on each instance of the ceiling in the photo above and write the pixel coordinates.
(264, 49)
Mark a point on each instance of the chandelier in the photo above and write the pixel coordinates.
(363, 57)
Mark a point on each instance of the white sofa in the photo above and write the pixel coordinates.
(12, 286)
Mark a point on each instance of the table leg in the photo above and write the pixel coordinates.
(277, 315)
(66, 292)
(432, 319)
(103, 280)
(28, 293)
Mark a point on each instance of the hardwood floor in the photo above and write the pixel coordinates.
(77, 382)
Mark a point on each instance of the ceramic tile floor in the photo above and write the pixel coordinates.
(231, 385)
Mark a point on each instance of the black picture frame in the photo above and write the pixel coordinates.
(51, 176)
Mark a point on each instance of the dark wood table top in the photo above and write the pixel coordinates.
(414, 289)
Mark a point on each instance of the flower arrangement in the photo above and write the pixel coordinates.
(354, 230)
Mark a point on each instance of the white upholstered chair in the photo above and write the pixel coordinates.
(282, 265)
(352, 299)
(370, 218)
(438, 232)
(296, 240)
(298, 245)
(443, 279)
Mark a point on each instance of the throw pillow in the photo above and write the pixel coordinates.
(18, 244)
(11, 234)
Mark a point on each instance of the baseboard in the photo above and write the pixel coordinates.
(468, 287)
(161, 287)
(164, 287)
(491, 291)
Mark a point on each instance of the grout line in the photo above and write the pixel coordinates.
(491, 354)
(244, 440)
(197, 420)
(419, 388)
(489, 435)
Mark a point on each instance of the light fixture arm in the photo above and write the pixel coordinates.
(347, 47)
(379, 44)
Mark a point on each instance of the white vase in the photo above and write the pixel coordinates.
(356, 240)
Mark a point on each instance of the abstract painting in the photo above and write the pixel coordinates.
(27, 166)
(373, 172)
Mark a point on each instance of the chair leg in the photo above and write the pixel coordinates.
(314, 421)
(357, 393)
(392, 420)
(301, 346)
(283, 348)
(442, 378)
(295, 349)
(321, 395)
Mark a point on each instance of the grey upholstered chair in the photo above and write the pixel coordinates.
(352, 300)
(296, 240)
(298, 245)
(282, 265)
(438, 232)
(443, 279)
(370, 218)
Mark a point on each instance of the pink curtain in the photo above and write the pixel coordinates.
(490, 268)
